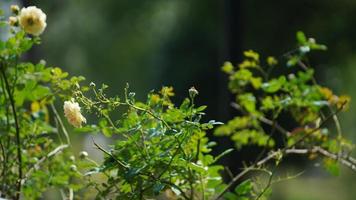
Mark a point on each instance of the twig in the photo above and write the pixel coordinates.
(60, 123)
(227, 169)
(171, 160)
(343, 160)
(148, 112)
(4, 160)
(109, 154)
(268, 184)
(287, 178)
(265, 120)
(233, 181)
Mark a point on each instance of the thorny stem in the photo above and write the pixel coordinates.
(17, 129)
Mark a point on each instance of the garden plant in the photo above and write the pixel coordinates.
(159, 149)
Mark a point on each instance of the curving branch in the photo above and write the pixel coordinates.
(347, 161)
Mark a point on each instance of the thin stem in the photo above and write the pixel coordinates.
(17, 129)
(268, 140)
(264, 120)
(233, 181)
(7, 109)
(202, 187)
(287, 178)
(4, 160)
(109, 154)
(227, 169)
(60, 123)
(198, 150)
(172, 158)
(268, 184)
(150, 113)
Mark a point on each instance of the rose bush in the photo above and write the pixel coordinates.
(159, 149)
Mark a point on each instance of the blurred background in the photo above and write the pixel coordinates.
(183, 43)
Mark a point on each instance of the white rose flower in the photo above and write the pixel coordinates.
(32, 20)
(72, 113)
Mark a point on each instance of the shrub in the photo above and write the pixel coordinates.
(159, 149)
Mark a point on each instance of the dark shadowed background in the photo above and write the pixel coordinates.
(183, 43)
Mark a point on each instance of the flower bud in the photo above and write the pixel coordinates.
(92, 84)
(15, 9)
(83, 154)
(193, 92)
(42, 62)
(73, 168)
(291, 76)
(13, 21)
(72, 158)
(312, 40)
(304, 49)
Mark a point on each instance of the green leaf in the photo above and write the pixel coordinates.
(230, 196)
(292, 61)
(274, 85)
(252, 54)
(201, 108)
(87, 129)
(332, 166)
(227, 67)
(196, 167)
(301, 38)
(256, 82)
(248, 101)
(227, 151)
(244, 188)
